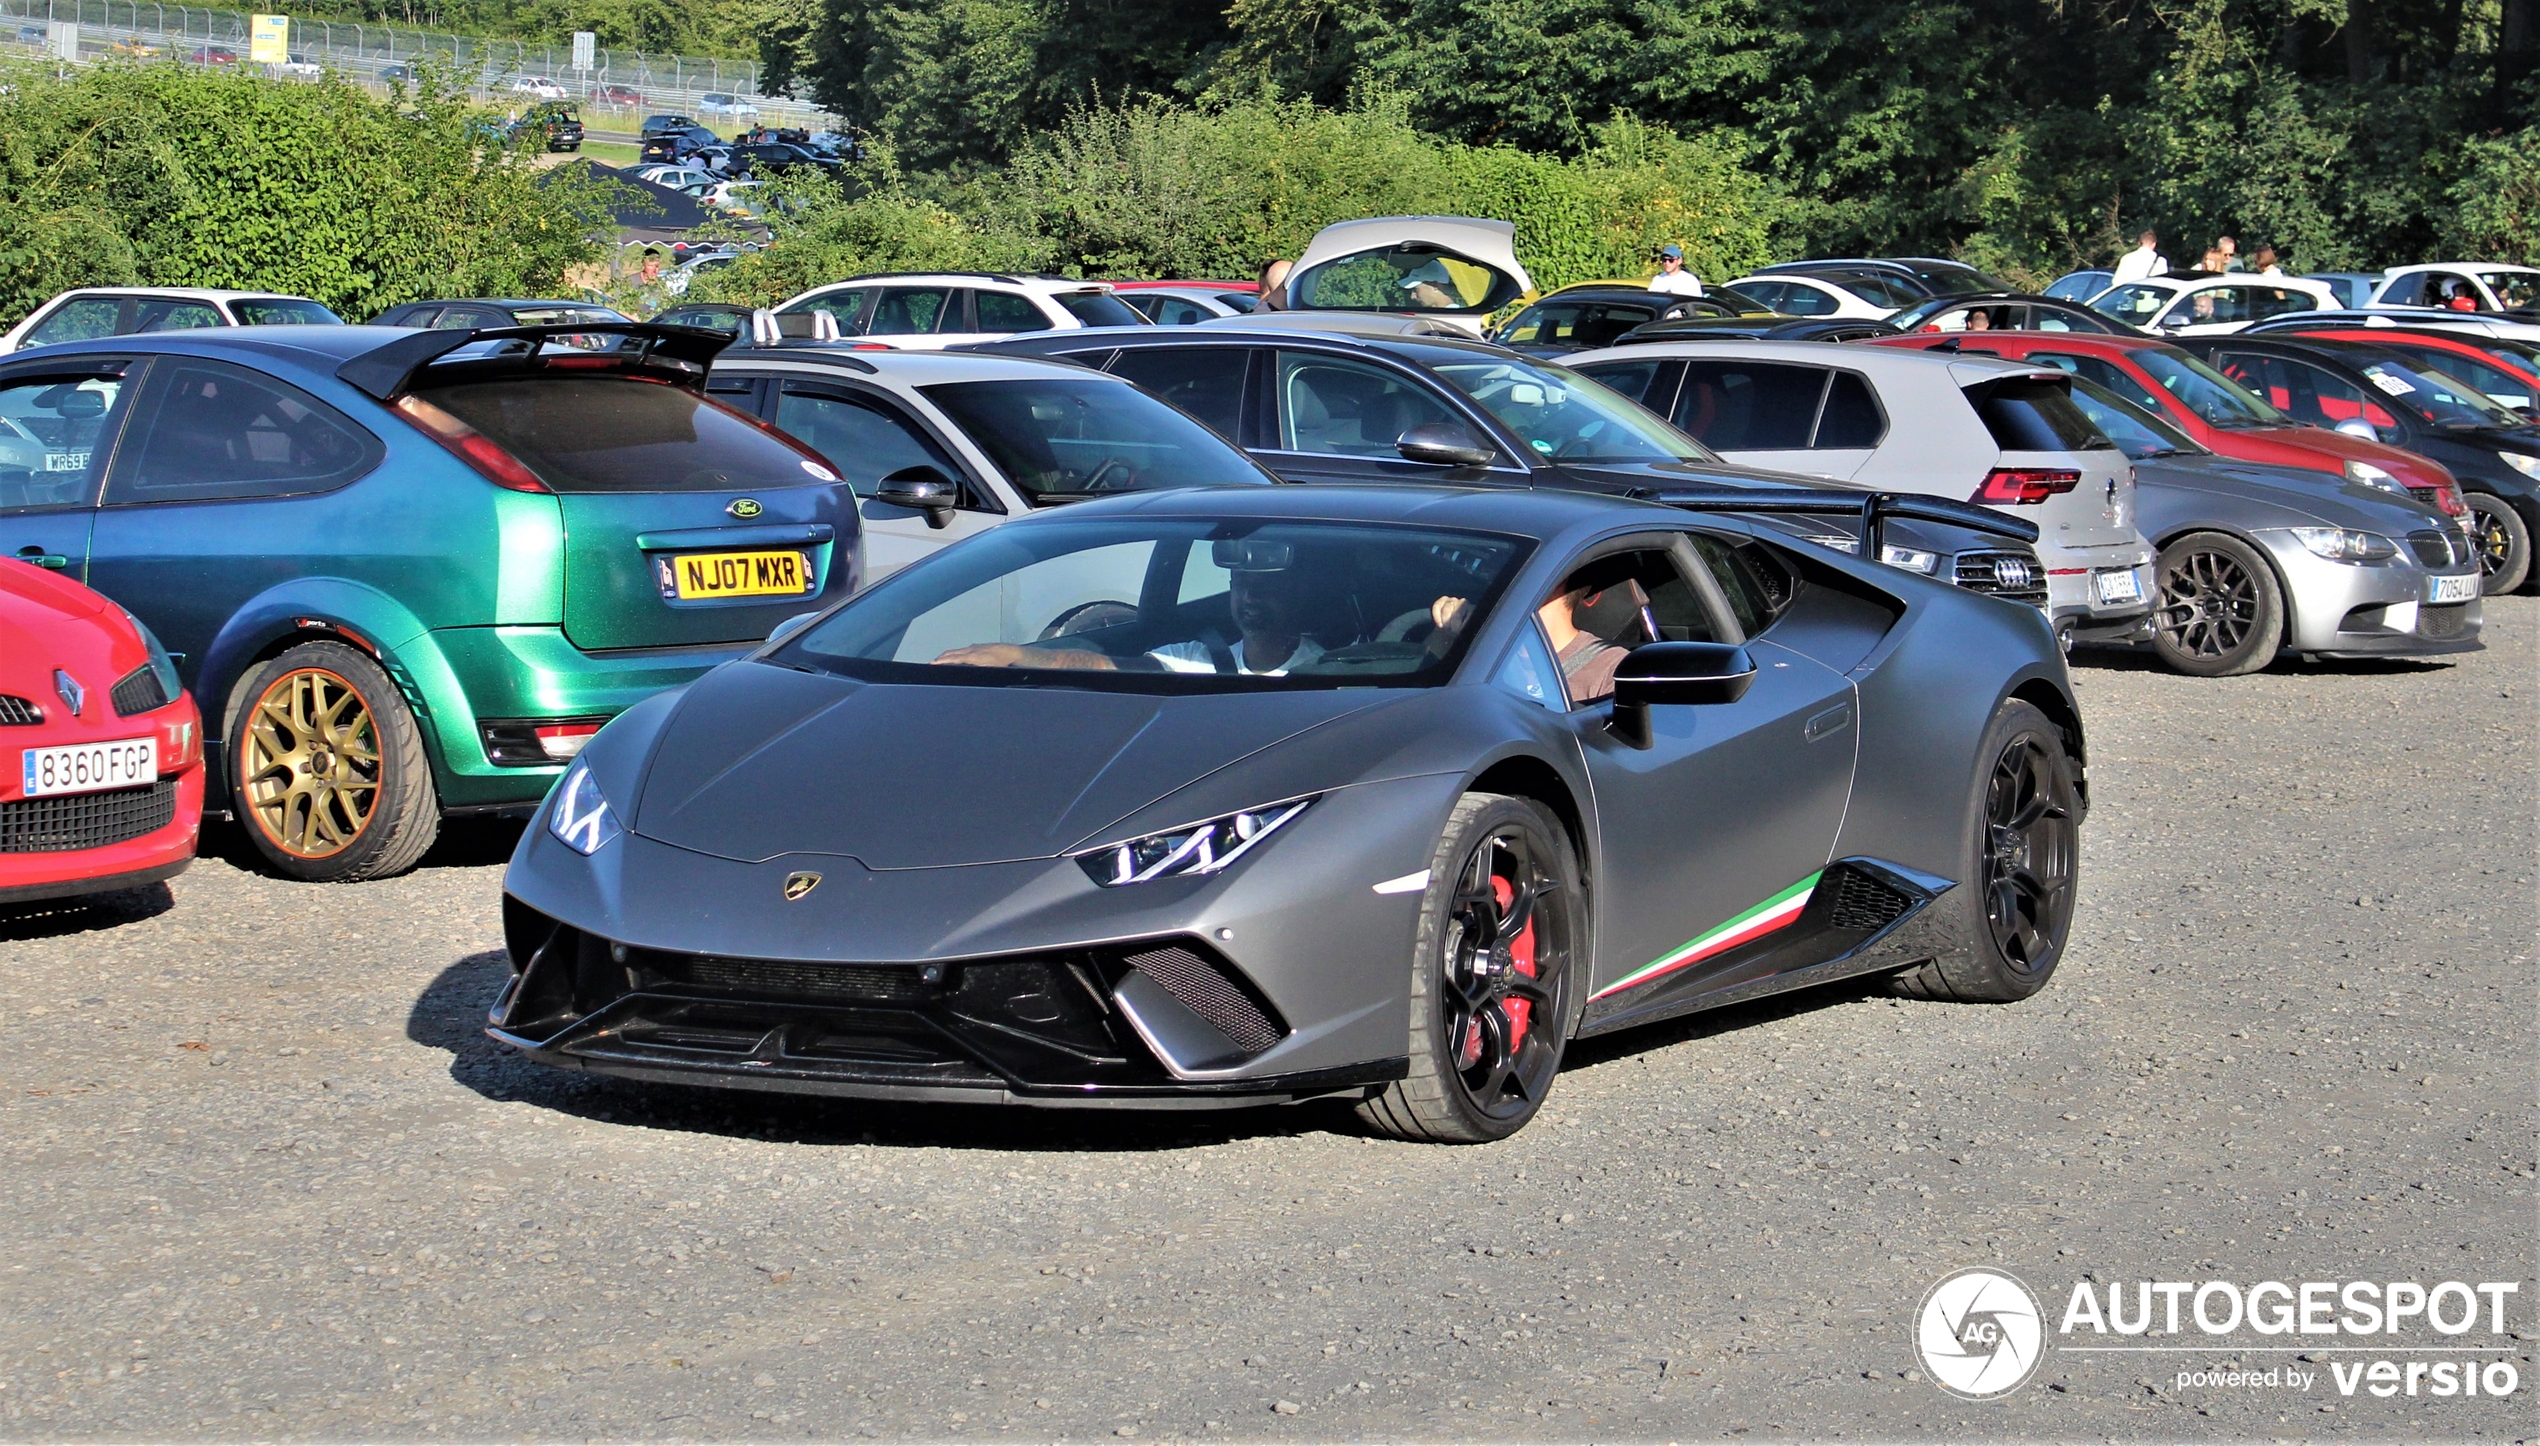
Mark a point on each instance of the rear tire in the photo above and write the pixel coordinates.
(1490, 1009)
(2219, 613)
(2502, 541)
(2022, 856)
(327, 768)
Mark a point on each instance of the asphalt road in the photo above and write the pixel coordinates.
(267, 1179)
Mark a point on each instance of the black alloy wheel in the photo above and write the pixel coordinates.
(2013, 915)
(2502, 541)
(2028, 855)
(2218, 612)
(1492, 990)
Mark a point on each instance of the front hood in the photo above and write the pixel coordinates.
(2171, 491)
(760, 761)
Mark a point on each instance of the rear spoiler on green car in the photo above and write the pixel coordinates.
(1873, 508)
(676, 354)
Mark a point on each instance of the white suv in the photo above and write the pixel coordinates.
(933, 310)
(124, 310)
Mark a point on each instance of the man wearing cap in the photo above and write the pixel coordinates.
(1672, 277)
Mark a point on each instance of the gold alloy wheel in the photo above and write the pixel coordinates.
(311, 763)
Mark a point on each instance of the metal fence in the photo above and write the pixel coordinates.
(364, 52)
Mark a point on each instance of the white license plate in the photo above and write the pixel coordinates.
(66, 461)
(88, 767)
(2119, 586)
(2452, 589)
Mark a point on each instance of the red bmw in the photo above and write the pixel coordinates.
(101, 778)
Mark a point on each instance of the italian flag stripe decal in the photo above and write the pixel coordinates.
(1755, 923)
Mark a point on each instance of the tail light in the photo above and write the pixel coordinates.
(2024, 486)
(468, 445)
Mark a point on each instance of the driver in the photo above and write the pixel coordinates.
(1267, 594)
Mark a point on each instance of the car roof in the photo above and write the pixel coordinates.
(505, 301)
(960, 278)
(316, 346)
(187, 293)
(1335, 323)
(1611, 293)
(1876, 360)
(1542, 513)
(2032, 340)
(910, 368)
(2474, 268)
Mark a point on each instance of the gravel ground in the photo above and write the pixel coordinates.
(271, 1181)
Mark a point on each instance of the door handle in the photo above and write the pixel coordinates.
(1825, 725)
(35, 553)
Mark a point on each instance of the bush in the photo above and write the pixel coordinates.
(159, 174)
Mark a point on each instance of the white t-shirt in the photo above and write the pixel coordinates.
(1683, 283)
(2138, 263)
(1195, 658)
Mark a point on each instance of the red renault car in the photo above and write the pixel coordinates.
(101, 777)
(2216, 411)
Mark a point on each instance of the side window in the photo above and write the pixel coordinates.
(1205, 381)
(908, 310)
(1749, 406)
(209, 431)
(845, 307)
(1005, 312)
(78, 321)
(1769, 293)
(1611, 605)
(865, 441)
(1529, 672)
(2306, 393)
(1852, 417)
(2107, 374)
(55, 433)
(1807, 301)
(1632, 378)
(1759, 585)
(1343, 408)
(149, 314)
(458, 318)
(1177, 311)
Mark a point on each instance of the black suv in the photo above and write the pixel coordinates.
(555, 124)
(657, 124)
(768, 158)
(1328, 407)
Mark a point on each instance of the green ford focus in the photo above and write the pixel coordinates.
(408, 573)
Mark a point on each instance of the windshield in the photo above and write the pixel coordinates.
(2137, 433)
(2206, 392)
(1172, 605)
(1413, 276)
(2134, 304)
(282, 311)
(1060, 438)
(2436, 396)
(2514, 290)
(1563, 417)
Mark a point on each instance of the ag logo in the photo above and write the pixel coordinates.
(1980, 1334)
(745, 507)
(797, 885)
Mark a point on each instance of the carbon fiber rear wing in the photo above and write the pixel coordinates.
(677, 354)
(1872, 508)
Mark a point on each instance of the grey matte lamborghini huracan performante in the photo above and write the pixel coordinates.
(1233, 796)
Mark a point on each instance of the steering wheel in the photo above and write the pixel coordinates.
(1114, 475)
(1404, 627)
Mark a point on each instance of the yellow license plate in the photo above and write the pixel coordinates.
(703, 576)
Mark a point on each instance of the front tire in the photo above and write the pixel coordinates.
(1495, 976)
(2022, 867)
(2502, 541)
(328, 768)
(2220, 613)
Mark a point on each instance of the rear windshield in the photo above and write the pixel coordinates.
(2031, 415)
(1061, 438)
(282, 311)
(620, 434)
(1100, 308)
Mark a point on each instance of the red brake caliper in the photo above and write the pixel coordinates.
(1521, 954)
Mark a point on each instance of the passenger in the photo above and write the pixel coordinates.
(1587, 661)
(1979, 320)
(1432, 287)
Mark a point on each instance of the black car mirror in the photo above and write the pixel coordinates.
(921, 489)
(1442, 444)
(1675, 673)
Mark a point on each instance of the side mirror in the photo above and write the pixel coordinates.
(1442, 444)
(921, 489)
(1675, 673)
(2358, 427)
(790, 626)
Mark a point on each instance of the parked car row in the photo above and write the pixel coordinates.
(1305, 665)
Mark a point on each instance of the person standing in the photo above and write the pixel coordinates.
(1274, 284)
(2230, 250)
(2267, 265)
(2144, 260)
(1672, 277)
